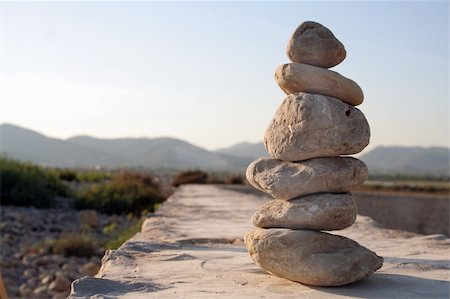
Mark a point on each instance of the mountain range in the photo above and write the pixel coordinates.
(86, 152)
(170, 153)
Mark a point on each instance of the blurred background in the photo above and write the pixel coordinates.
(106, 107)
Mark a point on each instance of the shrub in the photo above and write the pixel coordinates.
(125, 234)
(190, 177)
(235, 180)
(25, 184)
(125, 193)
(67, 175)
(74, 245)
(93, 176)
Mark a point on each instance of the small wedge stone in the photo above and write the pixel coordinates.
(325, 211)
(297, 77)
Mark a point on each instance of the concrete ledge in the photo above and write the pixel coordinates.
(193, 248)
(418, 213)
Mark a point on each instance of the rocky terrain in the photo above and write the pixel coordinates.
(29, 266)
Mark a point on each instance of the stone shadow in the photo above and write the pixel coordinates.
(147, 247)
(244, 189)
(383, 285)
(419, 264)
(109, 289)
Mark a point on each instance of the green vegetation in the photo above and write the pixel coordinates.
(67, 175)
(117, 239)
(93, 176)
(24, 184)
(125, 193)
(87, 176)
(88, 242)
(80, 245)
(201, 177)
(190, 177)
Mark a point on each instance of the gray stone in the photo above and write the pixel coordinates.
(325, 211)
(47, 279)
(312, 43)
(310, 257)
(28, 273)
(286, 180)
(40, 292)
(24, 290)
(297, 77)
(308, 126)
(60, 284)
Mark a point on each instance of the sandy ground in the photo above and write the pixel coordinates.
(192, 248)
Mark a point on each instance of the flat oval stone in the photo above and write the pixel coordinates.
(325, 211)
(286, 180)
(297, 77)
(310, 257)
(309, 126)
(312, 43)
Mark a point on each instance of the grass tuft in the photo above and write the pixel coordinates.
(125, 193)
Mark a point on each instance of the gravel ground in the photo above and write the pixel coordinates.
(29, 267)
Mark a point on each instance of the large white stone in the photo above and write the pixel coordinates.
(311, 257)
(286, 180)
(309, 125)
(324, 211)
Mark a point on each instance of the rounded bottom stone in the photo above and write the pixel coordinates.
(310, 257)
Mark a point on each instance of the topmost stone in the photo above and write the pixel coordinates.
(314, 44)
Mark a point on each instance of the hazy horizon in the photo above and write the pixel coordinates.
(367, 149)
(203, 72)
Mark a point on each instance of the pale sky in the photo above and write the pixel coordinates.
(203, 71)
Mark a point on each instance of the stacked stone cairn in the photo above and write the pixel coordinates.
(310, 181)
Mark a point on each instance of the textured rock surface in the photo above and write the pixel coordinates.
(310, 257)
(192, 248)
(323, 211)
(307, 126)
(312, 43)
(286, 180)
(297, 77)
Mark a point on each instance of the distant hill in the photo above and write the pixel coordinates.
(170, 153)
(85, 151)
(246, 150)
(27, 145)
(408, 160)
(160, 153)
